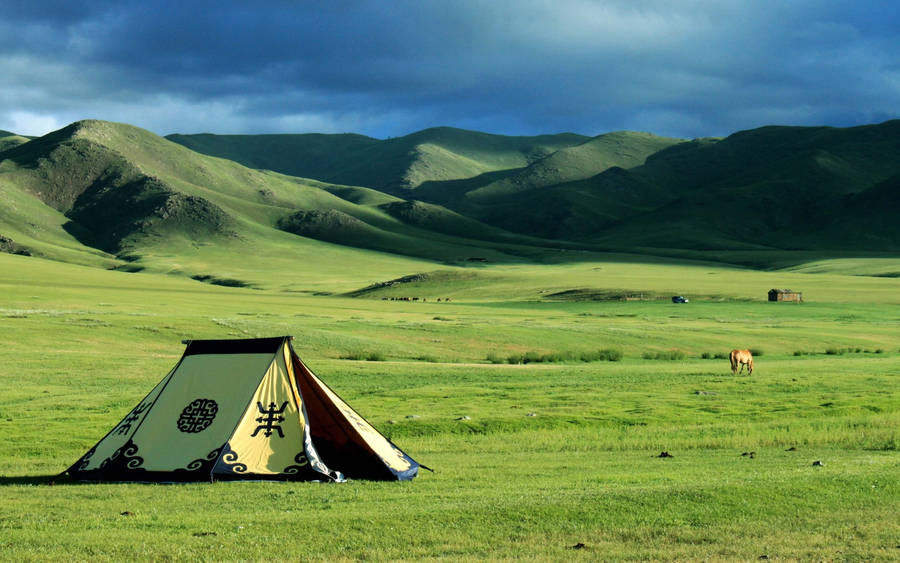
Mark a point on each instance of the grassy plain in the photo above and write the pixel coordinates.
(556, 460)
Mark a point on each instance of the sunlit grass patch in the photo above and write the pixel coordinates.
(530, 459)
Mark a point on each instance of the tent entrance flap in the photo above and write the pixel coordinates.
(344, 439)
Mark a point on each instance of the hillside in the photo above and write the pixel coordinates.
(866, 219)
(553, 197)
(770, 188)
(115, 195)
(311, 155)
(393, 165)
(780, 187)
(622, 149)
(9, 140)
(775, 188)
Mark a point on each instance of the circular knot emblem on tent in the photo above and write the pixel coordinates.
(198, 415)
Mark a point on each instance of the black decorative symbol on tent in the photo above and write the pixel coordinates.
(86, 459)
(204, 464)
(269, 419)
(302, 463)
(229, 461)
(198, 415)
(135, 415)
(123, 458)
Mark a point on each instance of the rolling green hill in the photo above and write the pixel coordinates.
(310, 155)
(624, 149)
(554, 197)
(777, 187)
(772, 188)
(9, 140)
(393, 165)
(116, 196)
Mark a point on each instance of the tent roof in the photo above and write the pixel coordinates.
(242, 346)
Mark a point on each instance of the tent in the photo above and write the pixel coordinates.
(242, 409)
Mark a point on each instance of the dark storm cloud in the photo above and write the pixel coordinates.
(388, 68)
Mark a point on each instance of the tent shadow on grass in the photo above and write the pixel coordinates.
(55, 479)
(62, 480)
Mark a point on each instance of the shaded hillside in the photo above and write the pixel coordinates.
(333, 226)
(867, 219)
(109, 215)
(107, 198)
(837, 160)
(312, 155)
(441, 220)
(9, 140)
(622, 149)
(774, 186)
(573, 210)
(394, 165)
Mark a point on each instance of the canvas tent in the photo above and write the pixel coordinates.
(242, 409)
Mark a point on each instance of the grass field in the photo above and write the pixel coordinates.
(558, 458)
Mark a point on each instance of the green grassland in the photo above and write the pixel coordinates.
(549, 457)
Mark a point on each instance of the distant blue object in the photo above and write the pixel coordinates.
(679, 299)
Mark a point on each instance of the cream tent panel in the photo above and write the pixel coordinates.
(196, 415)
(123, 431)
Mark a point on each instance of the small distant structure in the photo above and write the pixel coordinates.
(785, 295)
(679, 299)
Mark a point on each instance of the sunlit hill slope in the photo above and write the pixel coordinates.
(116, 195)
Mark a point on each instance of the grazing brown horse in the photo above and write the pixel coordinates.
(742, 357)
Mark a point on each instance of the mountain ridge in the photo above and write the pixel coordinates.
(109, 193)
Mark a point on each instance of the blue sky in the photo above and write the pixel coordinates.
(687, 68)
